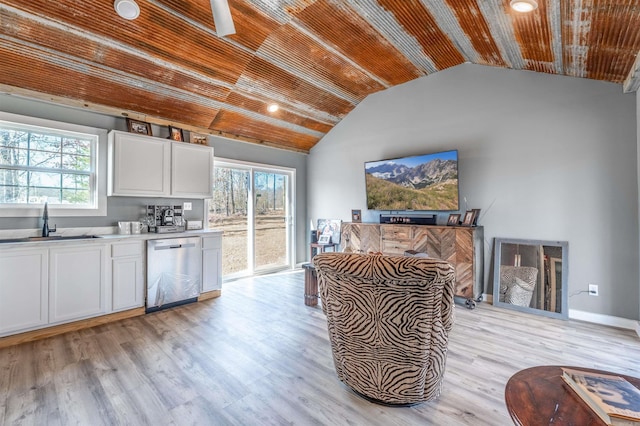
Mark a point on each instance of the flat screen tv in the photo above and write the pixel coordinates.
(423, 182)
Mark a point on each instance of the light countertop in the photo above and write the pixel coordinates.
(105, 234)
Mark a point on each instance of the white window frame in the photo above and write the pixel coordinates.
(99, 161)
(252, 167)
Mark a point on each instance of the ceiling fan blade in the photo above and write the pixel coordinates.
(222, 18)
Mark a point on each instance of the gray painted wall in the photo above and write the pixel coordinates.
(545, 157)
(129, 208)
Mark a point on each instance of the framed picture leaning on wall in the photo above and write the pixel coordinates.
(140, 127)
(330, 227)
(468, 218)
(198, 138)
(176, 134)
(476, 215)
(324, 239)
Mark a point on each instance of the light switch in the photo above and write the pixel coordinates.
(186, 206)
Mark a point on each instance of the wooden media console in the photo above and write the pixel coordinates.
(461, 246)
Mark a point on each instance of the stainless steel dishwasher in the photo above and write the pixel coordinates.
(174, 272)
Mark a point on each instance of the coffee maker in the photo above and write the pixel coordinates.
(164, 219)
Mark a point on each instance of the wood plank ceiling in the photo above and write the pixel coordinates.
(317, 59)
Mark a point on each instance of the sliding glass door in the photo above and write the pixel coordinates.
(253, 205)
(228, 210)
(271, 220)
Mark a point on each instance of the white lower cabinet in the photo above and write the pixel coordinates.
(77, 282)
(211, 263)
(57, 283)
(23, 290)
(127, 275)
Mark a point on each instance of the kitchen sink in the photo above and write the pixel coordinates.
(49, 238)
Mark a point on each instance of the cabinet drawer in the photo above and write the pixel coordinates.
(396, 246)
(396, 233)
(126, 249)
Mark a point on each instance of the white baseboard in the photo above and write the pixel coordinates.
(605, 320)
(591, 317)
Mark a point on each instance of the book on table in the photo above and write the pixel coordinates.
(611, 397)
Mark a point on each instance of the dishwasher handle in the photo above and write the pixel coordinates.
(174, 246)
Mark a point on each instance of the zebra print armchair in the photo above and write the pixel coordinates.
(389, 319)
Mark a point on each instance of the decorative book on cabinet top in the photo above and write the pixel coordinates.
(459, 245)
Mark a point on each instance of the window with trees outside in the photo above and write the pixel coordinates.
(41, 164)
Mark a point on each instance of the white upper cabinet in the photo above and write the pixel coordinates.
(191, 170)
(145, 166)
(138, 165)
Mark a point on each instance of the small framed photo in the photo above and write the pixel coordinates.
(454, 219)
(140, 127)
(476, 215)
(175, 134)
(198, 138)
(324, 239)
(356, 216)
(468, 218)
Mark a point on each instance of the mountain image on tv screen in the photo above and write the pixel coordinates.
(424, 182)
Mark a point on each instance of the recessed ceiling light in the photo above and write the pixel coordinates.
(524, 5)
(127, 9)
(273, 107)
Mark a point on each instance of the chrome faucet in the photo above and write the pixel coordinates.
(45, 226)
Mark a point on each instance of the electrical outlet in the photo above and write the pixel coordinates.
(593, 290)
(186, 207)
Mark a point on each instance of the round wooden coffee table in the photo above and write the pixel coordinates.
(539, 396)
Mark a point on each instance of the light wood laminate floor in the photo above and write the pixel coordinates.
(259, 356)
